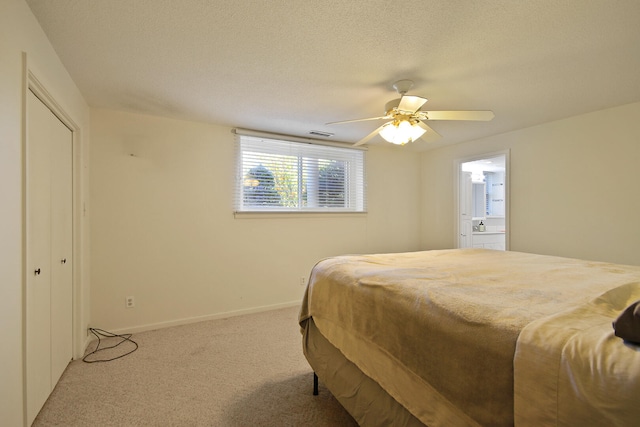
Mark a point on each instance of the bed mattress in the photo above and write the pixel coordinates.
(438, 330)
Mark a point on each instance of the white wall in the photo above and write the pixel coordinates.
(163, 228)
(20, 32)
(574, 187)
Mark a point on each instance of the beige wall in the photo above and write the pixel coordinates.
(574, 187)
(20, 32)
(163, 228)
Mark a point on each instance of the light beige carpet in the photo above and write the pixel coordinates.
(241, 371)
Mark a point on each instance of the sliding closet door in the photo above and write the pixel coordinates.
(38, 283)
(48, 252)
(61, 249)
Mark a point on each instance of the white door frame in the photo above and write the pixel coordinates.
(33, 84)
(457, 163)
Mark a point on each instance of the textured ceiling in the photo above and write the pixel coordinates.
(290, 66)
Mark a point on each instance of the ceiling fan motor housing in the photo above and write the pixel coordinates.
(389, 106)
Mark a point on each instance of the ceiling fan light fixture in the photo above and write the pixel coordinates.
(401, 132)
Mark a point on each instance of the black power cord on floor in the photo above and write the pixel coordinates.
(106, 334)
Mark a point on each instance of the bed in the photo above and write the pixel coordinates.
(473, 337)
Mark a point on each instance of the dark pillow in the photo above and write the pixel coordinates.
(627, 325)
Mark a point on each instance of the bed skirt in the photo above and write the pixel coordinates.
(361, 396)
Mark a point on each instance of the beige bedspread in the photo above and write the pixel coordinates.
(438, 329)
(570, 368)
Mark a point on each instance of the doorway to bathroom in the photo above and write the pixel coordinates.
(482, 198)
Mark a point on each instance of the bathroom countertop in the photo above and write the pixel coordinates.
(489, 232)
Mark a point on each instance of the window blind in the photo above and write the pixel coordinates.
(275, 175)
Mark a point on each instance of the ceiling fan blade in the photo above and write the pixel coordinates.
(430, 135)
(368, 137)
(358, 120)
(460, 115)
(411, 103)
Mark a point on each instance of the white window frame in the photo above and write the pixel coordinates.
(352, 158)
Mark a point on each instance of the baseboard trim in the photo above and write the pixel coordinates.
(188, 320)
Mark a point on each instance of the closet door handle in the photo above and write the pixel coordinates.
(37, 272)
(63, 261)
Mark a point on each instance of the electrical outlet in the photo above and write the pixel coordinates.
(130, 302)
(303, 281)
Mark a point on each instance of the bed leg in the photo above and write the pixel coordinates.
(315, 384)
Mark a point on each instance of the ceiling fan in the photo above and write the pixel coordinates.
(407, 120)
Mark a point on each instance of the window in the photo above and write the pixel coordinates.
(284, 176)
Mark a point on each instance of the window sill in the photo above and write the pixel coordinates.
(281, 215)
